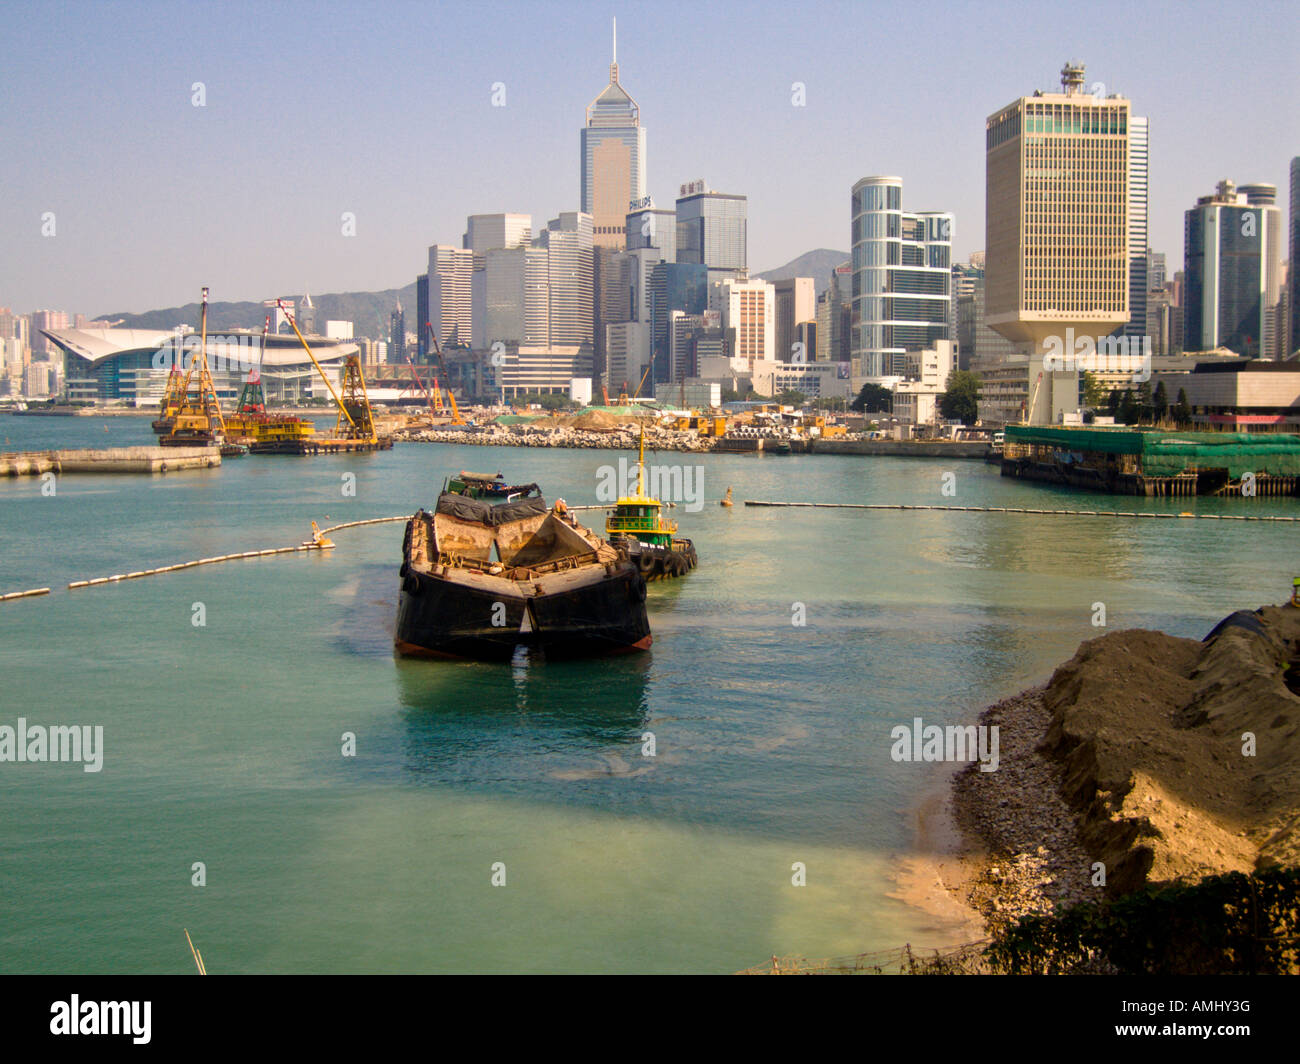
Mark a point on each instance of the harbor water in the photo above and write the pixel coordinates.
(646, 813)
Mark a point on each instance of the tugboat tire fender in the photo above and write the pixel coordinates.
(410, 584)
(646, 562)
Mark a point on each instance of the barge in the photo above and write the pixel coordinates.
(493, 568)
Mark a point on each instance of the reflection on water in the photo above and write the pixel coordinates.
(499, 725)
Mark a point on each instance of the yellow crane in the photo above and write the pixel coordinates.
(354, 405)
(456, 419)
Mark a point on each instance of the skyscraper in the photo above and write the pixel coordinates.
(450, 280)
(483, 232)
(613, 160)
(796, 304)
(1156, 270)
(748, 310)
(568, 241)
(650, 227)
(1138, 282)
(1293, 277)
(711, 230)
(515, 297)
(835, 316)
(674, 286)
(1056, 221)
(422, 345)
(902, 279)
(397, 335)
(1230, 257)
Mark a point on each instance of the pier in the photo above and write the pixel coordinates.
(1153, 463)
(1020, 510)
(109, 460)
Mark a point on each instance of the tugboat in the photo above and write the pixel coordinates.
(494, 568)
(638, 527)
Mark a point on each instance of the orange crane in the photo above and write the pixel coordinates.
(456, 419)
(434, 399)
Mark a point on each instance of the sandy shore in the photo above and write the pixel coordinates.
(992, 847)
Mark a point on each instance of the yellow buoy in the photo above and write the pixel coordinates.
(726, 501)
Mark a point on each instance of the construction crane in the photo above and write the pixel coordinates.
(198, 419)
(354, 405)
(456, 419)
(434, 399)
(1033, 396)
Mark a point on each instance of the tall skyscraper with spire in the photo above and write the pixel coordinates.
(613, 160)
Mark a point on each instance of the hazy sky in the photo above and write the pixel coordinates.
(385, 110)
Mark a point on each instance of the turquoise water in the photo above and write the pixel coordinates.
(223, 742)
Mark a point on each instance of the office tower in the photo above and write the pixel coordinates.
(649, 227)
(515, 297)
(484, 232)
(422, 345)
(1139, 283)
(1265, 197)
(1156, 271)
(1231, 267)
(613, 160)
(711, 230)
(796, 304)
(1056, 222)
(1293, 277)
(902, 279)
(978, 346)
(612, 280)
(834, 316)
(748, 310)
(397, 335)
(627, 352)
(450, 280)
(674, 286)
(568, 241)
(694, 337)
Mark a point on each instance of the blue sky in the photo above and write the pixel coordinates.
(385, 111)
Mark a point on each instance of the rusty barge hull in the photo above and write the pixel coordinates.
(484, 620)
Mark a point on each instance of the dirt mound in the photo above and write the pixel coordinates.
(598, 421)
(1180, 756)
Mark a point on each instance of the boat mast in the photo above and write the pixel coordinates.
(640, 465)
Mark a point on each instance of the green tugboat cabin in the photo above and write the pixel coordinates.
(637, 523)
(640, 516)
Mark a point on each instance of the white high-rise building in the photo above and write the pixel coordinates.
(902, 279)
(451, 272)
(568, 241)
(1139, 285)
(748, 310)
(485, 232)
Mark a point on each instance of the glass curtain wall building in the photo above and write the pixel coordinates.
(902, 279)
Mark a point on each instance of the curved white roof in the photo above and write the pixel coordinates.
(96, 346)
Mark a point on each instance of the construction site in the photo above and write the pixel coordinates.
(191, 414)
